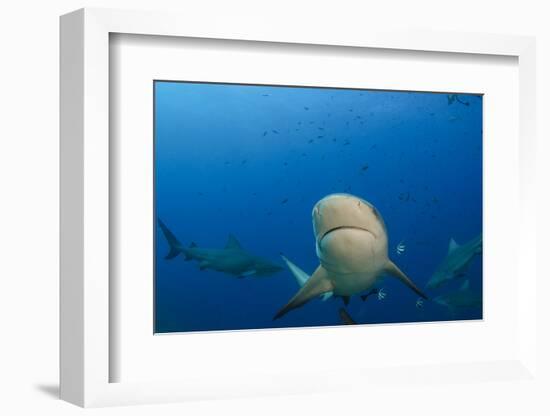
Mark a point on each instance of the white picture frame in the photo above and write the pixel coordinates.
(85, 211)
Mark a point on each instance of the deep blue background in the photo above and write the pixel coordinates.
(228, 155)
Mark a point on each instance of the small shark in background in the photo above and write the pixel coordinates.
(456, 262)
(463, 298)
(352, 247)
(232, 259)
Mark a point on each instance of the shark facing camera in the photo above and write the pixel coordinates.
(288, 207)
(352, 247)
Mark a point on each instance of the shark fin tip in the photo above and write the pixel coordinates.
(278, 315)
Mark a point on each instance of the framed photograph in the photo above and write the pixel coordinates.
(260, 213)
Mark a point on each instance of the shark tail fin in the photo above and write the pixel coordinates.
(316, 285)
(392, 269)
(175, 246)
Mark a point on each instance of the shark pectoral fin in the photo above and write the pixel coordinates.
(326, 295)
(392, 269)
(300, 276)
(203, 265)
(318, 283)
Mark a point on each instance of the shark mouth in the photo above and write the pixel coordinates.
(345, 227)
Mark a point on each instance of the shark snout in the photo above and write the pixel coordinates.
(344, 211)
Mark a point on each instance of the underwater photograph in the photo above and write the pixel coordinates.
(291, 206)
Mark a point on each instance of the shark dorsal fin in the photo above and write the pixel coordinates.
(465, 286)
(232, 242)
(452, 245)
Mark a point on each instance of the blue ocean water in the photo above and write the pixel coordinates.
(252, 161)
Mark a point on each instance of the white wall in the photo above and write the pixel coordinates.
(29, 181)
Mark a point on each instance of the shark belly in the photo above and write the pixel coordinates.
(353, 283)
(353, 258)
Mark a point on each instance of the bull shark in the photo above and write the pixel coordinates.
(232, 259)
(352, 247)
(456, 262)
(463, 298)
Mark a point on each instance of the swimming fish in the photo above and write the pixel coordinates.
(404, 196)
(451, 98)
(456, 262)
(373, 291)
(400, 249)
(380, 294)
(232, 259)
(352, 247)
